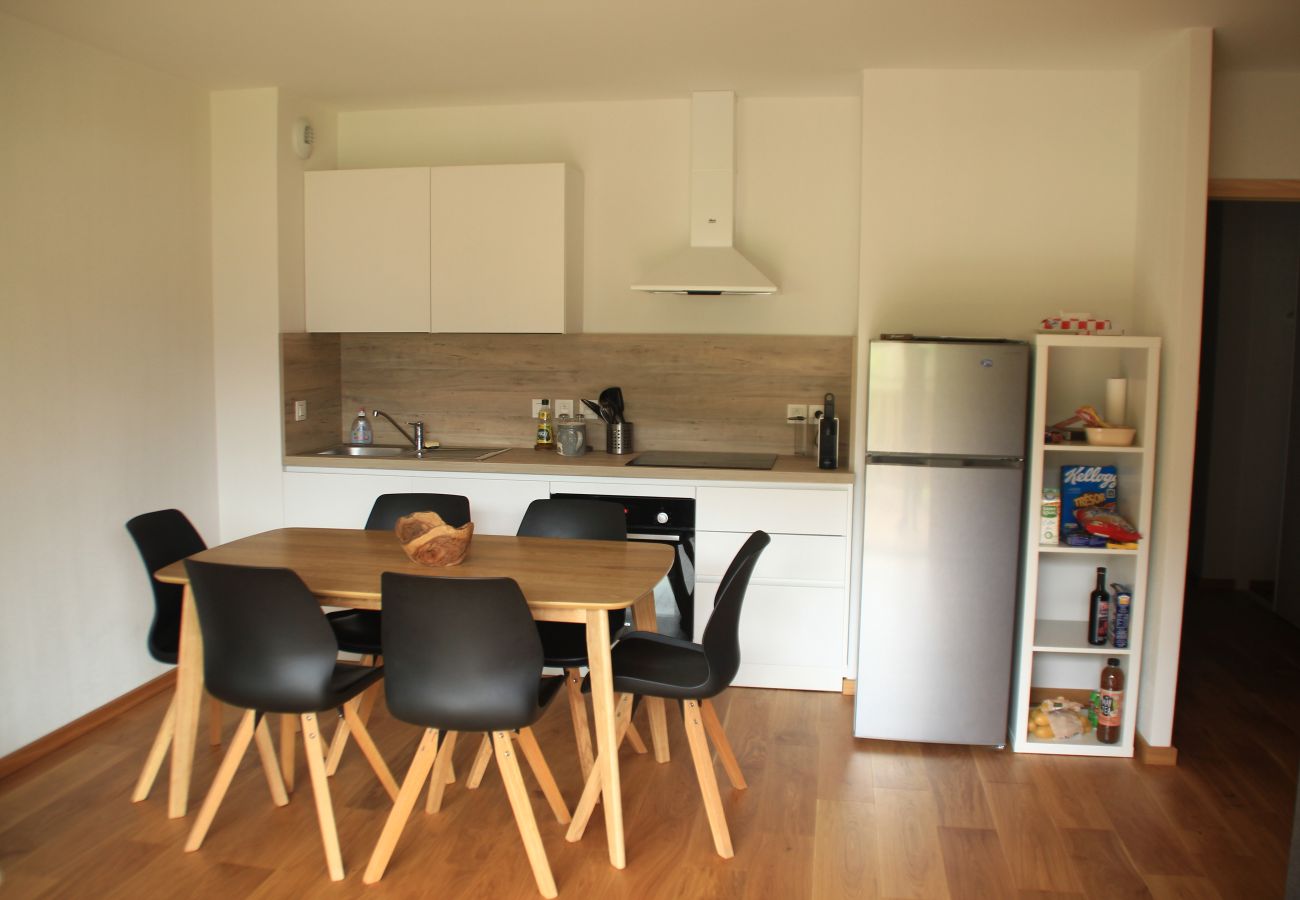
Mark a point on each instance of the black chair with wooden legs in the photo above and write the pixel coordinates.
(564, 644)
(359, 630)
(462, 654)
(163, 537)
(268, 648)
(655, 665)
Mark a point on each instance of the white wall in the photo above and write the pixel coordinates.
(106, 356)
(797, 176)
(1175, 110)
(257, 289)
(993, 199)
(1256, 125)
(990, 200)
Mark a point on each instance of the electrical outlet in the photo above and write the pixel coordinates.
(563, 408)
(299, 410)
(537, 407)
(815, 411)
(796, 410)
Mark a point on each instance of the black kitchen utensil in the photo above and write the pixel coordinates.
(595, 407)
(611, 400)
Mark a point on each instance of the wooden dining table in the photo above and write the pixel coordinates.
(563, 580)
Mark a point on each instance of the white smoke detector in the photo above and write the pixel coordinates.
(303, 137)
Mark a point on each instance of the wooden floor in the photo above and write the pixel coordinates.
(825, 816)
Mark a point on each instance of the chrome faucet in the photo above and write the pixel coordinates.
(417, 440)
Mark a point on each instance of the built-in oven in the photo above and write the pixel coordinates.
(665, 520)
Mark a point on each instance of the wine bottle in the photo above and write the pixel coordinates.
(1098, 610)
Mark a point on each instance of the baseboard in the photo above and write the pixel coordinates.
(850, 687)
(1155, 756)
(25, 756)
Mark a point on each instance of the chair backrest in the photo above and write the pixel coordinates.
(163, 537)
(571, 517)
(721, 639)
(266, 644)
(388, 508)
(460, 654)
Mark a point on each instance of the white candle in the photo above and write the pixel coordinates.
(1116, 400)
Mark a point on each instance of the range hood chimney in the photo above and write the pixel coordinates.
(710, 265)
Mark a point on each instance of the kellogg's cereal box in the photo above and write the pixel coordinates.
(1086, 487)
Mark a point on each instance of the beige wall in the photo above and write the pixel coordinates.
(993, 199)
(1256, 125)
(106, 358)
(796, 198)
(1175, 111)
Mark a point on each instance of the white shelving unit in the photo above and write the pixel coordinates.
(1053, 656)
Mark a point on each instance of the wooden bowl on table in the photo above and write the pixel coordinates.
(430, 541)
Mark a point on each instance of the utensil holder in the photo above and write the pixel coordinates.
(618, 437)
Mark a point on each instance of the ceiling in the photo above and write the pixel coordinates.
(362, 54)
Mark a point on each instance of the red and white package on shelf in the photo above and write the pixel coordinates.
(1075, 323)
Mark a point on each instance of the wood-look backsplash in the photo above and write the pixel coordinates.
(682, 391)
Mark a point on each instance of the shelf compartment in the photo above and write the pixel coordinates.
(1079, 745)
(1084, 551)
(1092, 448)
(1069, 636)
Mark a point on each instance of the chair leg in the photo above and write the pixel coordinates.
(340, 740)
(634, 738)
(214, 721)
(719, 737)
(708, 781)
(265, 749)
(157, 753)
(401, 810)
(288, 748)
(368, 748)
(523, 810)
(578, 712)
(481, 760)
(438, 778)
(220, 784)
(542, 772)
(320, 788)
(591, 790)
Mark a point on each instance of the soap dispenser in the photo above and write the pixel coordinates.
(361, 431)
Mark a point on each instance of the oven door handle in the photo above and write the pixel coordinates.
(662, 538)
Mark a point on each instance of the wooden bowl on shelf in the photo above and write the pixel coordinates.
(1117, 436)
(430, 541)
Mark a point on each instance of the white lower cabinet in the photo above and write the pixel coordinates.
(794, 625)
(343, 499)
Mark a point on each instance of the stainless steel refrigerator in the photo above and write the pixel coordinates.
(941, 558)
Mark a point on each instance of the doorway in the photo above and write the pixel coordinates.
(1246, 504)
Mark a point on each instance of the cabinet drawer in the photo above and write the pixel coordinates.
(785, 626)
(790, 557)
(776, 510)
(335, 500)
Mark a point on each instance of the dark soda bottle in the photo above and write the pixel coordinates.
(1110, 702)
(1098, 610)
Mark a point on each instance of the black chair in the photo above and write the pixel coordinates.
(655, 665)
(463, 654)
(268, 648)
(163, 537)
(359, 630)
(564, 644)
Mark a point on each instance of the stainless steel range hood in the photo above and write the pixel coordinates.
(710, 265)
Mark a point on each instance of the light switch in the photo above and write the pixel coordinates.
(299, 410)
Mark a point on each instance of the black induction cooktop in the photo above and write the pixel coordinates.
(703, 459)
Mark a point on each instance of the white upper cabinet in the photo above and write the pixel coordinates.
(449, 249)
(367, 250)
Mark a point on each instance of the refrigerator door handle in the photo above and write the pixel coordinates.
(945, 462)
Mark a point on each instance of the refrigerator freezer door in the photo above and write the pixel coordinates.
(938, 603)
(956, 399)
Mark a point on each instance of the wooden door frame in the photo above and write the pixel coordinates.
(1254, 189)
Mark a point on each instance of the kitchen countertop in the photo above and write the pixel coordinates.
(596, 464)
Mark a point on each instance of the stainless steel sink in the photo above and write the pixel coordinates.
(470, 454)
(375, 450)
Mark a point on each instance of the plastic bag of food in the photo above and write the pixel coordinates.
(1107, 523)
